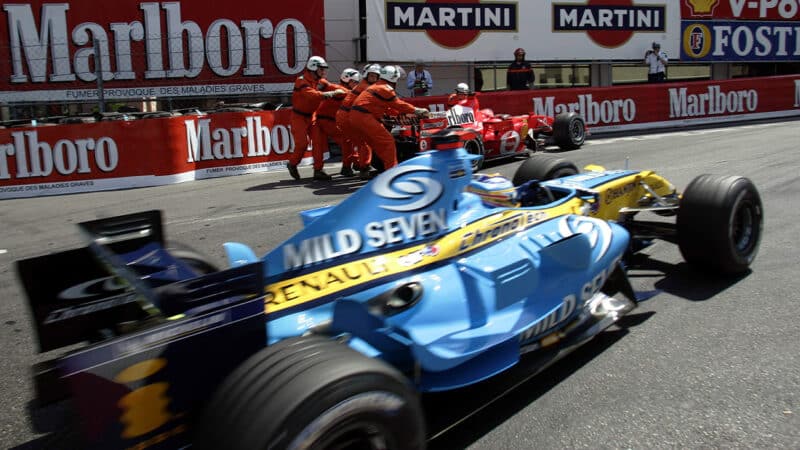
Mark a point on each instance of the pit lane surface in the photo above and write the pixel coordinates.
(706, 363)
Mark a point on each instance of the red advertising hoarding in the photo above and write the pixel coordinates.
(154, 49)
(651, 105)
(741, 9)
(61, 159)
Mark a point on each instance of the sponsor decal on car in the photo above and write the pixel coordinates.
(376, 234)
(318, 284)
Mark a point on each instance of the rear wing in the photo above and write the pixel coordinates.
(435, 120)
(123, 281)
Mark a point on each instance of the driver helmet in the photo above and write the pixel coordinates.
(494, 190)
(462, 88)
(519, 51)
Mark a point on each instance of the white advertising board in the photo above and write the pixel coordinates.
(565, 30)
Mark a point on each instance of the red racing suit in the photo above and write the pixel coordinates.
(469, 101)
(306, 97)
(360, 148)
(367, 111)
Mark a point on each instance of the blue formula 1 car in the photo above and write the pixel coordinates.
(429, 278)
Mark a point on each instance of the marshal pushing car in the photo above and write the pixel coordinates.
(486, 134)
(429, 278)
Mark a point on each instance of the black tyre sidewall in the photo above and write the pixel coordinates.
(478, 163)
(277, 395)
(563, 125)
(708, 208)
(368, 398)
(543, 167)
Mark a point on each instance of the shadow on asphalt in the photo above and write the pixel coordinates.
(681, 280)
(457, 419)
(337, 186)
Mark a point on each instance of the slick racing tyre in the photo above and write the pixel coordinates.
(720, 220)
(569, 131)
(198, 262)
(312, 393)
(543, 167)
(475, 147)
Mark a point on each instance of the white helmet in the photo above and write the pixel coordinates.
(462, 88)
(390, 74)
(371, 68)
(316, 62)
(349, 75)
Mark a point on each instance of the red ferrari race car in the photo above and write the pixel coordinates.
(487, 134)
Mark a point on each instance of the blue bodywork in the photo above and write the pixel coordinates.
(441, 274)
(513, 276)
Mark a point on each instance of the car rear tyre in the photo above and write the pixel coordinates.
(569, 131)
(474, 147)
(720, 220)
(199, 262)
(543, 167)
(312, 393)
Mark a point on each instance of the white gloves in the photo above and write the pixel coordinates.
(421, 112)
(336, 93)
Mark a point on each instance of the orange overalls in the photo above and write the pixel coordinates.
(366, 114)
(359, 148)
(324, 125)
(306, 97)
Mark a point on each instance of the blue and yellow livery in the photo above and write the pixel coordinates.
(428, 278)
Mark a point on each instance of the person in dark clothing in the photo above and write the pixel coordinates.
(478, 80)
(519, 75)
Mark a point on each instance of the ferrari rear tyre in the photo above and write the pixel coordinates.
(474, 147)
(569, 131)
(312, 393)
(200, 263)
(720, 221)
(543, 167)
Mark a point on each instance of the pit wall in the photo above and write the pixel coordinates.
(73, 158)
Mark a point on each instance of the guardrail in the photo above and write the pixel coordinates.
(105, 155)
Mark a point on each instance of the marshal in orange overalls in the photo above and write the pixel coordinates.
(358, 145)
(306, 98)
(324, 125)
(367, 111)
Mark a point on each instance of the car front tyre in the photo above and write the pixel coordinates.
(720, 222)
(543, 167)
(569, 131)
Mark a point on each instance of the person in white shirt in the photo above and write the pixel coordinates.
(657, 63)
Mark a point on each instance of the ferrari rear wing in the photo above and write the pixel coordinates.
(124, 280)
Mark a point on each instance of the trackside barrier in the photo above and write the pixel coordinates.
(72, 158)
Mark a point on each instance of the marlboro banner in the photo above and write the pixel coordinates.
(154, 49)
(60, 159)
(651, 105)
